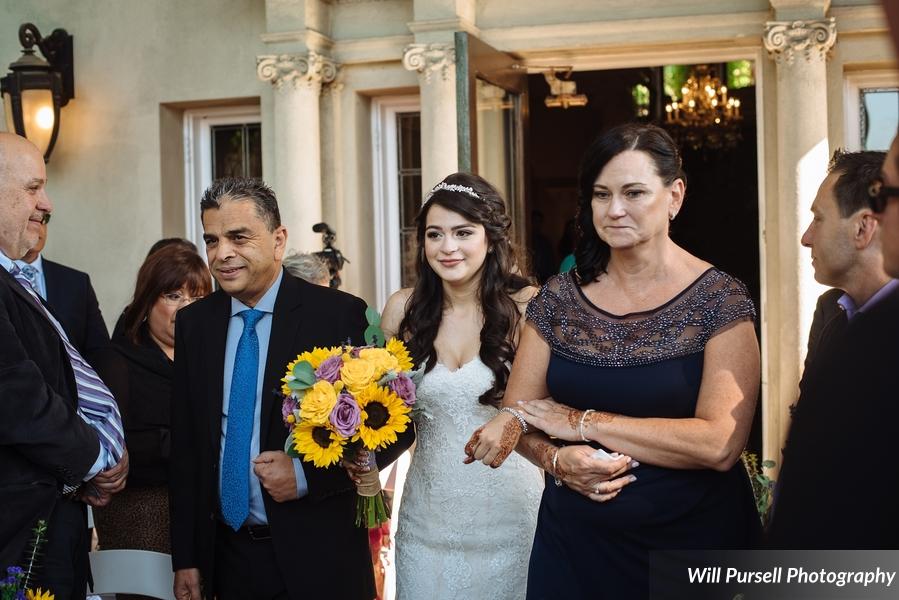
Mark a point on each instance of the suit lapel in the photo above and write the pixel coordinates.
(50, 276)
(216, 333)
(17, 289)
(286, 319)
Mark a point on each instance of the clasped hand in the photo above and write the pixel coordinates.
(98, 491)
(275, 472)
(597, 479)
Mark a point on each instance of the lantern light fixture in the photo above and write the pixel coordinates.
(35, 89)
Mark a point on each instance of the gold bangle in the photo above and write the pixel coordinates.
(555, 469)
(580, 426)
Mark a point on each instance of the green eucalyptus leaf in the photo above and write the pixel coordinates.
(304, 374)
(768, 464)
(372, 316)
(289, 448)
(374, 336)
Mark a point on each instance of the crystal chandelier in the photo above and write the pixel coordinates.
(704, 117)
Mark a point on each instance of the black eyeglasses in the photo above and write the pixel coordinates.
(46, 218)
(879, 195)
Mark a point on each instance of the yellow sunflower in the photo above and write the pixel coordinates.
(318, 444)
(318, 402)
(382, 359)
(383, 416)
(398, 349)
(38, 595)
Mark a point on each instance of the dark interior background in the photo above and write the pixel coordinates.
(719, 221)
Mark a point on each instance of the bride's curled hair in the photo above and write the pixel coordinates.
(500, 277)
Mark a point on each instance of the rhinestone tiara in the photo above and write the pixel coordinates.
(451, 187)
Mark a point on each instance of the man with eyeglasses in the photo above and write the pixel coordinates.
(70, 294)
(839, 485)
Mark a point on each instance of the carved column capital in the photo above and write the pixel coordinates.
(296, 70)
(785, 40)
(429, 58)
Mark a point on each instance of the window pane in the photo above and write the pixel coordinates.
(408, 245)
(254, 150)
(409, 127)
(410, 194)
(227, 151)
(879, 116)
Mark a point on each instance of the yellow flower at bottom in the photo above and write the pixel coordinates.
(38, 595)
(398, 349)
(318, 444)
(384, 414)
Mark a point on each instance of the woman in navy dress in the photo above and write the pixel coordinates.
(647, 353)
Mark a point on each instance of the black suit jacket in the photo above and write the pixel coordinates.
(829, 320)
(839, 485)
(315, 538)
(72, 298)
(43, 441)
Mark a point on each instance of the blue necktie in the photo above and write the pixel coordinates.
(241, 408)
(96, 404)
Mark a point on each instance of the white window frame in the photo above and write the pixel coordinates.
(853, 85)
(386, 196)
(198, 124)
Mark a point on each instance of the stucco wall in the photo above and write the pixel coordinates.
(130, 57)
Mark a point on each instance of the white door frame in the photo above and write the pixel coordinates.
(386, 196)
(198, 125)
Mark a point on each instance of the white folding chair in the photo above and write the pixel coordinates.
(133, 572)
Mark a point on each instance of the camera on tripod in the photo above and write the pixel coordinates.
(331, 255)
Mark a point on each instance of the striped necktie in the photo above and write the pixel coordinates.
(96, 404)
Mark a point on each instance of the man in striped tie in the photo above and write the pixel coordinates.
(61, 439)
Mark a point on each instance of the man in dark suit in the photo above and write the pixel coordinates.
(839, 486)
(248, 521)
(47, 446)
(71, 296)
(844, 240)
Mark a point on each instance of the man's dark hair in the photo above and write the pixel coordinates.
(243, 188)
(855, 171)
(172, 241)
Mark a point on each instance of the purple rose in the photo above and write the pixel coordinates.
(289, 405)
(345, 416)
(403, 387)
(329, 370)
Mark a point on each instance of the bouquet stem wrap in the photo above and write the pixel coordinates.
(371, 506)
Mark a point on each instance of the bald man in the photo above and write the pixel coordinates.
(54, 433)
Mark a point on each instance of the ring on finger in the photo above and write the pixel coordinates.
(596, 489)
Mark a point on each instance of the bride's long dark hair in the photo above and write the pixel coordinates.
(499, 279)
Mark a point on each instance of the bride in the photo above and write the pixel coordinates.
(463, 532)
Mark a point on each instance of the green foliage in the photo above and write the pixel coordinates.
(762, 484)
(35, 550)
(289, 448)
(305, 377)
(374, 335)
(740, 74)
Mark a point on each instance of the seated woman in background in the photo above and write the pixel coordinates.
(138, 370)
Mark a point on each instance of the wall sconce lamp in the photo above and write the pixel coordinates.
(35, 89)
(562, 92)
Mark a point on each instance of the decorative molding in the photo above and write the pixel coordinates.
(312, 39)
(454, 24)
(428, 58)
(785, 40)
(296, 69)
(385, 49)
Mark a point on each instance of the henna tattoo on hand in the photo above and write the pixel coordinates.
(599, 417)
(475, 438)
(511, 432)
(574, 418)
(546, 450)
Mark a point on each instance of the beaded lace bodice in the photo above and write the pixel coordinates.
(464, 531)
(583, 333)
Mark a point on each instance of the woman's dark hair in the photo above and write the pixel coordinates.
(591, 253)
(167, 270)
(499, 279)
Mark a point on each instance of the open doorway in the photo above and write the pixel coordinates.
(719, 221)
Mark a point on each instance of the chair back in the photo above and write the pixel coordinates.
(133, 572)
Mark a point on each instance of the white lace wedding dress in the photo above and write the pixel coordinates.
(464, 531)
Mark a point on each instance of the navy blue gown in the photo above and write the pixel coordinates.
(645, 364)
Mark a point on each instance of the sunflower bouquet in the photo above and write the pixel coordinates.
(343, 399)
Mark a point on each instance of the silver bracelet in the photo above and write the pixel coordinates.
(517, 415)
(580, 426)
(555, 469)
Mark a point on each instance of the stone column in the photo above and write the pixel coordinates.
(298, 80)
(436, 67)
(799, 49)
